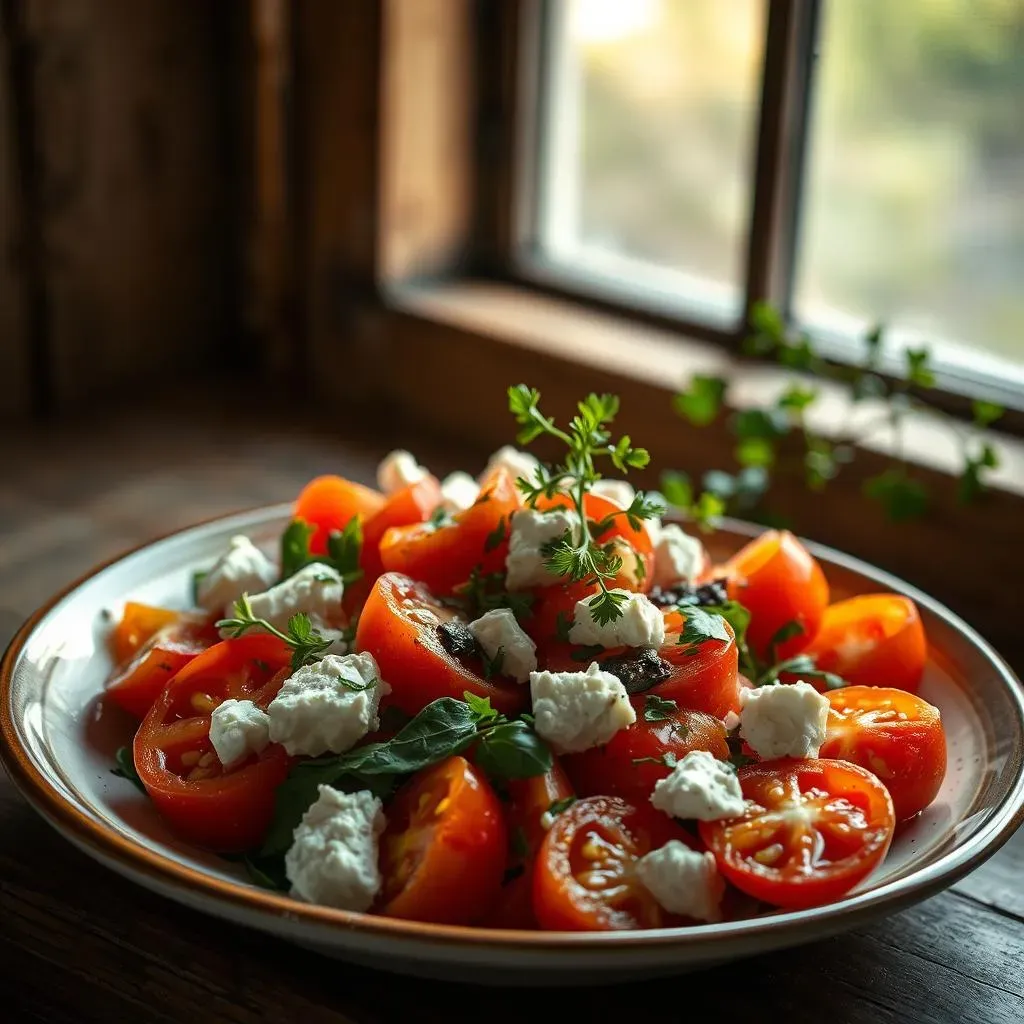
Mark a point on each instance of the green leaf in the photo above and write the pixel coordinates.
(799, 355)
(677, 488)
(901, 497)
(699, 626)
(701, 402)
(496, 536)
(126, 768)
(293, 798)
(804, 666)
(769, 424)
(605, 607)
(918, 369)
(563, 623)
(707, 510)
(513, 751)
(558, 806)
(493, 666)
(668, 760)
(295, 547)
(480, 706)
(344, 549)
(986, 413)
(738, 617)
(755, 451)
(658, 710)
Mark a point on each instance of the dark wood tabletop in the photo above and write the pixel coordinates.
(80, 944)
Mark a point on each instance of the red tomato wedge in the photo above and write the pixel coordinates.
(400, 626)
(895, 735)
(443, 557)
(442, 854)
(780, 582)
(702, 679)
(139, 622)
(873, 640)
(631, 762)
(329, 502)
(226, 811)
(585, 878)
(412, 504)
(810, 832)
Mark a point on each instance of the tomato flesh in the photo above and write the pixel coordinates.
(329, 502)
(138, 624)
(442, 854)
(894, 734)
(412, 504)
(810, 832)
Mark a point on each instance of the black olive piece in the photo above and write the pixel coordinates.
(713, 593)
(457, 640)
(639, 670)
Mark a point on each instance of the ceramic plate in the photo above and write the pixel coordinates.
(59, 749)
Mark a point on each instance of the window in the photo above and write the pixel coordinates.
(903, 158)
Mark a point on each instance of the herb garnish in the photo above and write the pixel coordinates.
(307, 643)
(343, 549)
(699, 626)
(658, 710)
(126, 768)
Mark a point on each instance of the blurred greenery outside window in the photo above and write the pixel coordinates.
(910, 207)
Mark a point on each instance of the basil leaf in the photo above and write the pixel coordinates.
(513, 751)
(126, 768)
(293, 798)
(699, 626)
(739, 618)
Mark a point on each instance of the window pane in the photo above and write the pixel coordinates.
(914, 208)
(650, 134)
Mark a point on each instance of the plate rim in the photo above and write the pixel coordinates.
(170, 877)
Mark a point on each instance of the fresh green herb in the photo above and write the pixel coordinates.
(699, 626)
(496, 536)
(512, 750)
(587, 439)
(197, 581)
(737, 759)
(126, 768)
(295, 547)
(787, 631)
(344, 548)
(483, 592)
(738, 617)
(802, 665)
(439, 518)
(668, 759)
(480, 706)
(658, 710)
(307, 643)
(563, 623)
(558, 806)
(493, 666)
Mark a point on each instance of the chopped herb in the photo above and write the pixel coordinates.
(564, 804)
(440, 518)
(563, 623)
(668, 760)
(307, 643)
(493, 666)
(658, 710)
(699, 626)
(344, 548)
(496, 536)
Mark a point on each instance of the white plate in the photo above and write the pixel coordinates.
(59, 750)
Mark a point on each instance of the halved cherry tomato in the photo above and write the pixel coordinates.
(399, 625)
(329, 502)
(226, 811)
(138, 623)
(584, 878)
(412, 504)
(442, 854)
(780, 582)
(632, 761)
(810, 832)
(873, 640)
(443, 557)
(893, 734)
(705, 678)
(138, 684)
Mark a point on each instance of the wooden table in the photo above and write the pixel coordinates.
(79, 944)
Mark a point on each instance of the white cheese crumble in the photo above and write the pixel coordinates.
(327, 707)
(497, 630)
(641, 623)
(700, 788)
(529, 532)
(730, 721)
(574, 711)
(683, 881)
(678, 557)
(518, 463)
(242, 569)
(617, 491)
(399, 469)
(458, 491)
(782, 720)
(333, 857)
(237, 729)
(315, 589)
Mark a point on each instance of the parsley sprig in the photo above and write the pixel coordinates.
(308, 644)
(578, 554)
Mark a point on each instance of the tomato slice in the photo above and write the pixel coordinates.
(632, 761)
(226, 811)
(400, 626)
(552, 614)
(138, 684)
(412, 504)
(585, 879)
(138, 624)
(444, 557)
(702, 679)
(442, 854)
(329, 502)
(893, 734)
(810, 832)
(780, 582)
(873, 640)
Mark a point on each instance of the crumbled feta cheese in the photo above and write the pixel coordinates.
(781, 720)
(498, 630)
(237, 729)
(458, 491)
(399, 469)
(574, 711)
(530, 531)
(641, 623)
(333, 857)
(683, 881)
(701, 788)
(242, 569)
(731, 721)
(327, 707)
(617, 491)
(678, 557)
(315, 589)
(518, 463)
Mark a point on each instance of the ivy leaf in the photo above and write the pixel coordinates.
(986, 413)
(668, 759)
(919, 371)
(658, 710)
(513, 751)
(901, 497)
(699, 626)
(701, 402)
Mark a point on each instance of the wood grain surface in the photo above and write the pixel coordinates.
(79, 944)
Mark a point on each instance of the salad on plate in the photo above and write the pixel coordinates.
(526, 700)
